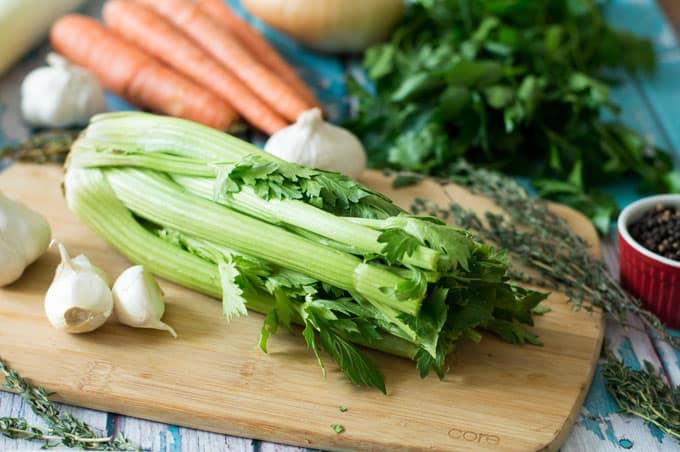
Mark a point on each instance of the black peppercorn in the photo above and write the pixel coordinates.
(658, 230)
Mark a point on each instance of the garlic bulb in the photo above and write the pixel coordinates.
(24, 237)
(79, 299)
(60, 95)
(330, 25)
(313, 142)
(138, 300)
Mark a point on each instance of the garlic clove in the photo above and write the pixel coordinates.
(138, 300)
(79, 299)
(11, 262)
(82, 261)
(24, 237)
(311, 141)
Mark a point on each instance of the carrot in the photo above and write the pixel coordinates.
(149, 31)
(228, 51)
(258, 46)
(134, 75)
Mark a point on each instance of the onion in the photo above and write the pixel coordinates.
(330, 25)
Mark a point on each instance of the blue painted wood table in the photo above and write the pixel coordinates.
(652, 105)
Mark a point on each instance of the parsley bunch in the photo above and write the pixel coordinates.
(517, 85)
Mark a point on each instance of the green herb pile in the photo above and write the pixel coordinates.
(643, 393)
(303, 246)
(63, 429)
(516, 85)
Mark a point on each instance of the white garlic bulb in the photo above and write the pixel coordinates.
(314, 142)
(138, 300)
(60, 95)
(24, 237)
(79, 299)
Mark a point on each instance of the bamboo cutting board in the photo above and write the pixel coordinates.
(214, 377)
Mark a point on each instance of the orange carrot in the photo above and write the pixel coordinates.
(228, 51)
(134, 75)
(258, 46)
(149, 31)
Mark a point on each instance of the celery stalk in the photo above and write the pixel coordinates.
(166, 203)
(90, 196)
(284, 211)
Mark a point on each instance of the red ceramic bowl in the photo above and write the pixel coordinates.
(652, 278)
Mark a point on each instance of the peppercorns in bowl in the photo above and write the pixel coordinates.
(658, 230)
(649, 252)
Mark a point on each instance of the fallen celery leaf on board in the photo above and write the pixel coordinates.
(300, 245)
(338, 428)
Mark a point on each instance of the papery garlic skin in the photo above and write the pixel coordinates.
(314, 142)
(138, 300)
(60, 95)
(24, 237)
(79, 299)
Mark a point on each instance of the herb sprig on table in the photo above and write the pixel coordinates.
(519, 86)
(50, 146)
(63, 428)
(643, 393)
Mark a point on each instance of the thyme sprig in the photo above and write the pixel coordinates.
(50, 146)
(63, 428)
(643, 393)
(544, 243)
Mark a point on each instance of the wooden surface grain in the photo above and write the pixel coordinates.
(651, 104)
(217, 379)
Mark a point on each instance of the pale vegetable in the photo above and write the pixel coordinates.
(24, 237)
(311, 141)
(138, 300)
(60, 95)
(23, 24)
(330, 25)
(79, 299)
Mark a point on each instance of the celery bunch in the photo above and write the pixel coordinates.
(300, 245)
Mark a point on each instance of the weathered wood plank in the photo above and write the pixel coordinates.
(670, 359)
(599, 422)
(149, 435)
(200, 441)
(12, 405)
